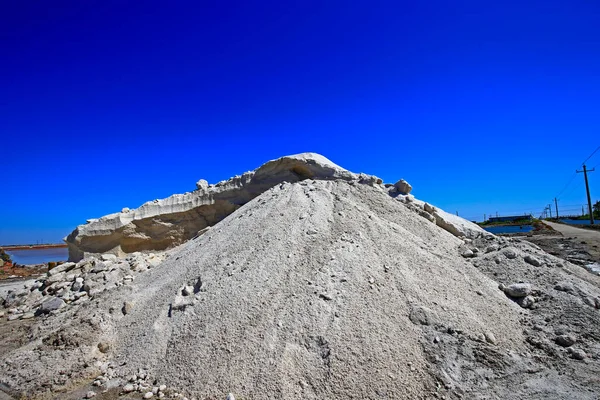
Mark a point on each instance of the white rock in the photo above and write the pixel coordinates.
(148, 395)
(28, 315)
(403, 187)
(518, 289)
(13, 317)
(104, 235)
(108, 257)
(202, 185)
(61, 268)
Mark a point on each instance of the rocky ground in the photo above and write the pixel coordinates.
(576, 245)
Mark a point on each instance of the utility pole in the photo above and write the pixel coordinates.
(587, 189)
(484, 218)
(556, 204)
(550, 209)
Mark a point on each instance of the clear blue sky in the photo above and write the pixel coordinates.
(482, 106)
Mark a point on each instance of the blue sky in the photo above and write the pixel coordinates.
(482, 107)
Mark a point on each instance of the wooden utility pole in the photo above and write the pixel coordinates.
(550, 209)
(587, 189)
(556, 204)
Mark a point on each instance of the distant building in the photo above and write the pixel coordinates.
(511, 218)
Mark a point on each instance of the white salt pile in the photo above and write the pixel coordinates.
(339, 288)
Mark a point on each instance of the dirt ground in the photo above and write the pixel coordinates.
(577, 245)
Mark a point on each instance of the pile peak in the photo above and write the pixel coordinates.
(163, 224)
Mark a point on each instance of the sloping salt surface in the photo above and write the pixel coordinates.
(318, 289)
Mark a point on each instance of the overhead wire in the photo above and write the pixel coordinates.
(567, 185)
(594, 152)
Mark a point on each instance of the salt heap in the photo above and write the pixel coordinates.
(337, 288)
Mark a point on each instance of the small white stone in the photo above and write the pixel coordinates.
(128, 388)
(148, 395)
(230, 396)
(28, 315)
(162, 388)
(12, 317)
(90, 394)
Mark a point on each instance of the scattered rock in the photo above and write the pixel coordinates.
(61, 268)
(52, 304)
(103, 347)
(510, 254)
(518, 290)
(565, 340)
(108, 257)
(565, 287)
(127, 307)
(28, 315)
(188, 291)
(578, 354)
(490, 338)
(526, 302)
(491, 248)
(467, 253)
(532, 260)
(403, 187)
(421, 315)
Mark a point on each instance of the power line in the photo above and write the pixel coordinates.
(594, 152)
(567, 185)
(576, 187)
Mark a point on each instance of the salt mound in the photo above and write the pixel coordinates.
(329, 289)
(324, 294)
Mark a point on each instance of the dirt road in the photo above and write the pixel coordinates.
(576, 232)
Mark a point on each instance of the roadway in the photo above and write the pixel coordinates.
(587, 235)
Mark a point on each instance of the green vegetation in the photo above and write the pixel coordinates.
(508, 223)
(5, 257)
(595, 211)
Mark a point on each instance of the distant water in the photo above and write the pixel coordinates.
(593, 268)
(509, 229)
(577, 221)
(38, 256)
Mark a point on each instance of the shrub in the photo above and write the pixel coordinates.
(5, 257)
